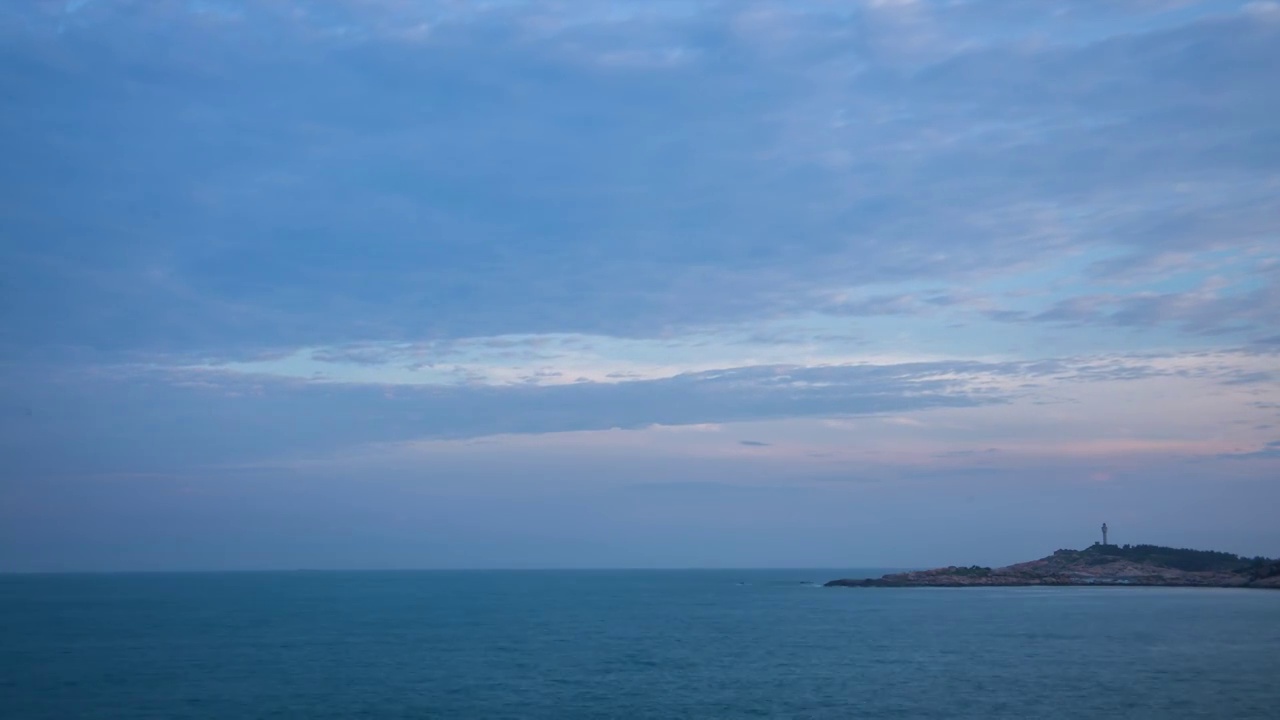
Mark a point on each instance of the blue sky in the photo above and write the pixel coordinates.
(383, 283)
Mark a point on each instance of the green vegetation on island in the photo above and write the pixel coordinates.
(1183, 559)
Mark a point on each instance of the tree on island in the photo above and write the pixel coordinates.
(1177, 558)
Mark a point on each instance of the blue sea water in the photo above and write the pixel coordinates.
(643, 644)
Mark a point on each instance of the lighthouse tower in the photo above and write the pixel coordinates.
(1104, 533)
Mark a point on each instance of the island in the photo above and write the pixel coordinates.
(1099, 564)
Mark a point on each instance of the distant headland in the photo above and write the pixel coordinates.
(1100, 564)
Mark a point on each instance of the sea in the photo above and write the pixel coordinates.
(624, 644)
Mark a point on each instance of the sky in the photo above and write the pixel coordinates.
(501, 284)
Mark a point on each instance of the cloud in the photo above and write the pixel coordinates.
(1195, 312)
(202, 417)
(874, 305)
(1270, 451)
(875, 238)
(139, 419)
(246, 198)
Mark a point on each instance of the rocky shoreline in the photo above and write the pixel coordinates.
(1099, 565)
